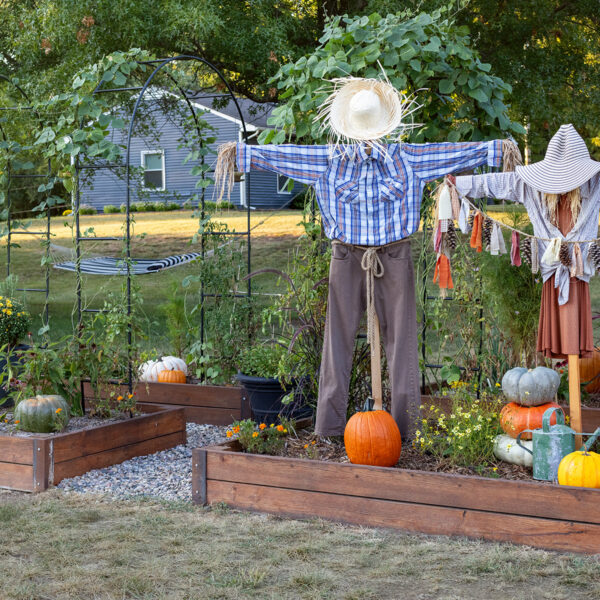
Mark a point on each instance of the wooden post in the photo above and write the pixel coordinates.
(575, 398)
(376, 367)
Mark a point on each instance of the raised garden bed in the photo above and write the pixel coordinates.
(536, 514)
(34, 462)
(204, 404)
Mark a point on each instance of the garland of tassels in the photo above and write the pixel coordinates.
(486, 232)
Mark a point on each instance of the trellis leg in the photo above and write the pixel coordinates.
(376, 367)
(575, 398)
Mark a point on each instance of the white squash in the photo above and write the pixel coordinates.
(148, 371)
(530, 387)
(507, 449)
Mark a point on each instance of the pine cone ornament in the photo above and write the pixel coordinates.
(451, 237)
(471, 219)
(487, 231)
(594, 255)
(564, 255)
(526, 250)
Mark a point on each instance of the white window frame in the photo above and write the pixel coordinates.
(164, 173)
(283, 189)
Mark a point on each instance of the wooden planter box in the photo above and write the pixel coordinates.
(211, 404)
(536, 514)
(32, 464)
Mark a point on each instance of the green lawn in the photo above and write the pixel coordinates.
(59, 547)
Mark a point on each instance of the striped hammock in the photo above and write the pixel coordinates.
(106, 265)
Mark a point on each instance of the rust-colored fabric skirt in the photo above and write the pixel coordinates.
(566, 329)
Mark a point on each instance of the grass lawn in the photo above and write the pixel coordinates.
(55, 546)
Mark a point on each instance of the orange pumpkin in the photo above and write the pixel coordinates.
(373, 438)
(171, 376)
(589, 370)
(514, 418)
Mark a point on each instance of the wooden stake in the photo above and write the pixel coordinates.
(575, 398)
(376, 367)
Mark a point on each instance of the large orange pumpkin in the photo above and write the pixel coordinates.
(589, 370)
(373, 438)
(581, 469)
(514, 418)
(171, 376)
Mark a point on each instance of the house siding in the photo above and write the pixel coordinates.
(101, 187)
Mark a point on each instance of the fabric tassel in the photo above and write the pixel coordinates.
(551, 255)
(463, 216)
(535, 258)
(445, 203)
(444, 225)
(476, 233)
(497, 245)
(442, 274)
(455, 202)
(225, 169)
(437, 238)
(511, 155)
(564, 255)
(515, 251)
(577, 268)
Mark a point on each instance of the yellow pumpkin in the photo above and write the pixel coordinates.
(581, 469)
(171, 376)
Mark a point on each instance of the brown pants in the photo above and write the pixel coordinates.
(396, 309)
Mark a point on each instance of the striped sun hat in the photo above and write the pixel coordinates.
(566, 166)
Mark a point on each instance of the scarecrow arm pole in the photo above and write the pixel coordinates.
(376, 367)
(575, 398)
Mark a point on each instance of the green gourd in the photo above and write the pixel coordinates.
(42, 414)
(530, 387)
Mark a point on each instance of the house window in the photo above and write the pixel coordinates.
(153, 163)
(284, 184)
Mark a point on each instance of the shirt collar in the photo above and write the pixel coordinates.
(377, 153)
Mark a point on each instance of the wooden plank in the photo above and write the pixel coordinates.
(83, 464)
(41, 464)
(68, 446)
(479, 493)
(434, 520)
(16, 476)
(199, 476)
(201, 415)
(182, 394)
(14, 449)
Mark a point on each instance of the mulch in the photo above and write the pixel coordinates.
(310, 446)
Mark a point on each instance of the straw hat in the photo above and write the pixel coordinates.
(566, 166)
(364, 110)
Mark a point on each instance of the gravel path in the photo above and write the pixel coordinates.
(166, 475)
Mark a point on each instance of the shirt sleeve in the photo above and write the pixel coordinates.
(430, 161)
(304, 164)
(504, 186)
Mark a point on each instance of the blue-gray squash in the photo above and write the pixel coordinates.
(42, 414)
(530, 387)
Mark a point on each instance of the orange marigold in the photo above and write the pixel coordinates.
(229, 433)
(279, 427)
(58, 410)
(255, 434)
(262, 426)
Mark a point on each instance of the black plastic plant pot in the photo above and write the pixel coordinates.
(15, 360)
(265, 395)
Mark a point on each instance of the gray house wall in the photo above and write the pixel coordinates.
(102, 187)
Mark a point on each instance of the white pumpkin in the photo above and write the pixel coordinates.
(148, 372)
(530, 387)
(507, 449)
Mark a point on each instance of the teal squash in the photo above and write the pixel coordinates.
(42, 414)
(530, 387)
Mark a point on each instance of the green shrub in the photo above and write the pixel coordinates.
(86, 209)
(110, 209)
(260, 438)
(173, 206)
(261, 361)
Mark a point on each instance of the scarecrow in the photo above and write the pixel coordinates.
(369, 195)
(562, 196)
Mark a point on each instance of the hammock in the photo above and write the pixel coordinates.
(106, 265)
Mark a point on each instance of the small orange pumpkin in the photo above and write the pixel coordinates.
(515, 418)
(171, 376)
(373, 438)
(589, 369)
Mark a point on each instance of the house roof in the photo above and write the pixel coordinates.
(254, 113)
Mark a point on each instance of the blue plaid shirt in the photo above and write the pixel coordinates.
(375, 199)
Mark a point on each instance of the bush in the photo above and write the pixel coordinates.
(110, 209)
(87, 209)
(14, 321)
(260, 439)
(261, 361)
(173, 206)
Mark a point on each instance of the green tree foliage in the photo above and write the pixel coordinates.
(427, 55)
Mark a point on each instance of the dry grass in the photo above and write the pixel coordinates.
(55, 546)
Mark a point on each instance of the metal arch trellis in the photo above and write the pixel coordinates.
(159, 64)
(10, 232)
